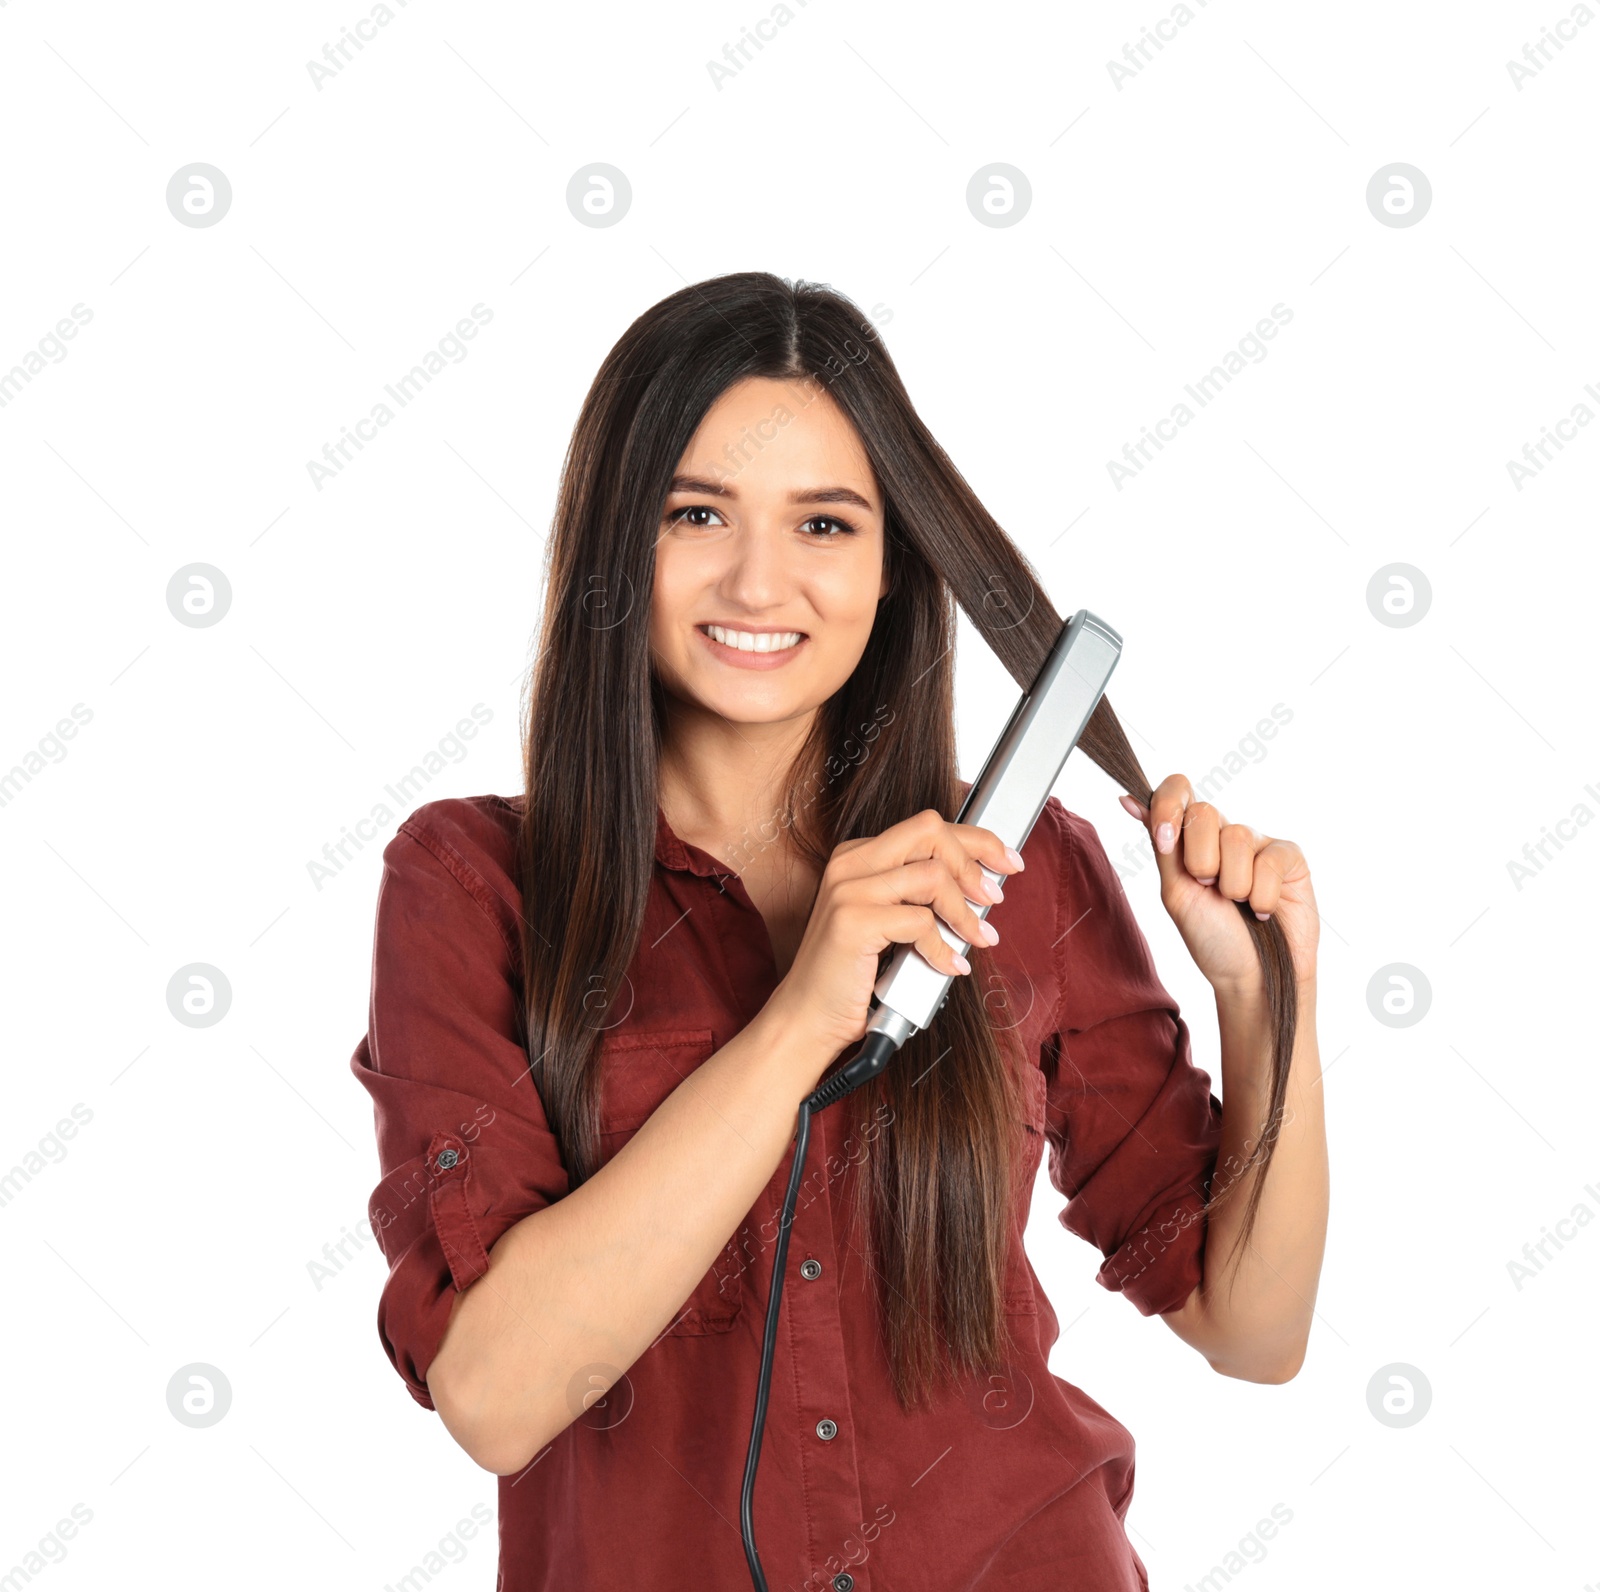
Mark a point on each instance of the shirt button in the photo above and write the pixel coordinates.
(811, 1270)
(843, 1582)
(447, 1159)
(827, 1430)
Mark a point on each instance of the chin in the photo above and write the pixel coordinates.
(759, 701)
(754, 708)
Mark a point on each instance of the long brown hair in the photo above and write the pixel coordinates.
(935, 1193)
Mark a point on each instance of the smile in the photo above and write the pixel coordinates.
(752, 649)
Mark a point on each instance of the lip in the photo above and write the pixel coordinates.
(752, 660)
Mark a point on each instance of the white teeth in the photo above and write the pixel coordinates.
(746, 641)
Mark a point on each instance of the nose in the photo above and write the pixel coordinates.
(757, 575)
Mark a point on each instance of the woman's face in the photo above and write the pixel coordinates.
(771, 536)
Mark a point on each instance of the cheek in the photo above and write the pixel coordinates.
(669, 656)
(665, 649)
(851, 596)
(666, 606)
(679, 589)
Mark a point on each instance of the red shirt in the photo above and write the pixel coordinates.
(1017, 1482)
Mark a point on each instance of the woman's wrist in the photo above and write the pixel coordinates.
(1250, 994)
(785, 1041)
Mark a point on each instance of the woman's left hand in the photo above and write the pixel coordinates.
(1207, 864)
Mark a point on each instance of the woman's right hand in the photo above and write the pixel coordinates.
(888, 889)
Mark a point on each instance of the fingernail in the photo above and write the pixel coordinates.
(1015, 858)
(963, 965)
(1211, 880)
(995, 894)
(1164, 838)
(991, 935)
(1263, 916)
(1129, 806)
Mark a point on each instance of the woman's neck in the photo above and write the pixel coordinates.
(722, 784)
(723, 790)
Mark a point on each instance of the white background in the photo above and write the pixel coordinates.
(1169, 214)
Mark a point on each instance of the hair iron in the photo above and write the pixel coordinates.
(1007, 798)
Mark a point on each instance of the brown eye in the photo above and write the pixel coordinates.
(828, 519)
(677, 517)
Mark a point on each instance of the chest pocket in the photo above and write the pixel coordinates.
(637, 1072)
(1020, 1298)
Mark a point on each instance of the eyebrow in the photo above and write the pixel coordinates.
(699, 486)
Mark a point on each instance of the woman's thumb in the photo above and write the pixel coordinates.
(1166, 860)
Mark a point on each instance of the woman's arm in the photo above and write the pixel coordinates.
(1254, 1321)
(585, 1279)
(1259, 1330)
(595, 1278)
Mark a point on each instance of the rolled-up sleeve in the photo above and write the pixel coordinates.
(1132, 1126)
(464, 1148)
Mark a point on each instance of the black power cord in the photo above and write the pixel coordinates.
(1016, 780)
(868, 1062)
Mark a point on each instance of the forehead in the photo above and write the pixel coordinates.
(762, 434)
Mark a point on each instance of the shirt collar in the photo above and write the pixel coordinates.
(671, 852)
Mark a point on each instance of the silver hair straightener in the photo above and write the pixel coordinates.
(1007, 798)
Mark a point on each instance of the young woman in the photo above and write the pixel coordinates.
(597, 1006)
